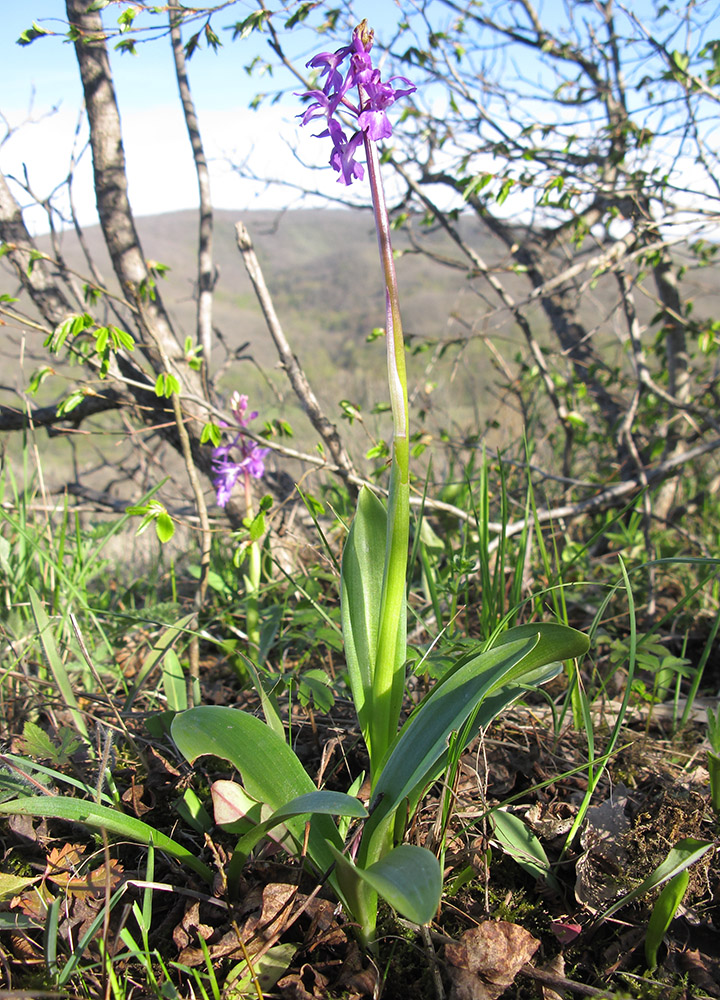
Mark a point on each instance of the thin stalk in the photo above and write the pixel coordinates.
(389, 677)
(252, 582)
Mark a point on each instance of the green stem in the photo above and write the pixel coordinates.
(389, 674)
(252, 582)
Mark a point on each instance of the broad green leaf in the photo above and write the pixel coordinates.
(12, 885)
(490, 708)
(409, 878)
(266, 970)
(685, 853)
(423, 738)
(363, 565)
(523, 846)
(555, 642)
(422, 742)
(104, 818)
(193, 812)
(270, 770)
(174, 684)
(663, 913)
(319, 802)
(236, 811)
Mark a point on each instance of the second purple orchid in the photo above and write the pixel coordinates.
(374, 97)
(251, 461)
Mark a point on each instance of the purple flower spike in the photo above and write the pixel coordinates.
(252, 457)
(374, 97)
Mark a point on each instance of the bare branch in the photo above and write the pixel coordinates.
(296, 375)
(206, 270)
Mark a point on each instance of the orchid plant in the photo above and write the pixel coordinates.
(362, 853)
(243, 459)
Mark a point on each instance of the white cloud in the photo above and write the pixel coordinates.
(160, 170)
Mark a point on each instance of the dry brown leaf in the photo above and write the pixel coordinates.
(599, 872)
(190, 927)
(29, 830)
(63, 869)
(308, 984)
(551, 820)
(703, 971)
(268, 917)
(274, 913)
(133, 796)
(556, 966)
(487, 958)
(324, 927)
(356, 976)
(227, 947)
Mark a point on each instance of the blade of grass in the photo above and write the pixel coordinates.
(57, 667)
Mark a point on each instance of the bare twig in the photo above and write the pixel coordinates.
(206, 271)
(294, 371)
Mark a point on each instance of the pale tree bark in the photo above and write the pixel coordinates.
(206, 271)
(116, 218)
(50, 299)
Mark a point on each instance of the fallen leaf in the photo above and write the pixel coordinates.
(704, 971)
(308, 984)
(551, 820)
(360, 979)
(190, 927)
(599, 872)
(12, 885)
(133, 796)
(64, 869)
(565, 931)
(556, 967)
(487, 958)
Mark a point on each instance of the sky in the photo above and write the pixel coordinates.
(41, 101)
(42, 98)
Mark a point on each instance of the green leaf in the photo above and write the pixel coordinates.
(270, 770)
(38, 377)
(409, 878)
(318, 803)
(173, 679)
(363, 566)
(267, 969)
(104, 818)
(191, 809)
(663, 913)
(70, 402)
(156, 654)
(685, 853)
(11, 885)
(164, 526)
(257, 527)
(524, 656)
(30, 34)
(211, 432)
(523, 846)
(57, 667)
(102, 335)
(714, 769)
(35, 742)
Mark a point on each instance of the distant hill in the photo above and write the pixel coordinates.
(322, 270)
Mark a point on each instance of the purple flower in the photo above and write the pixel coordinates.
(226, 471)
(374, 97)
